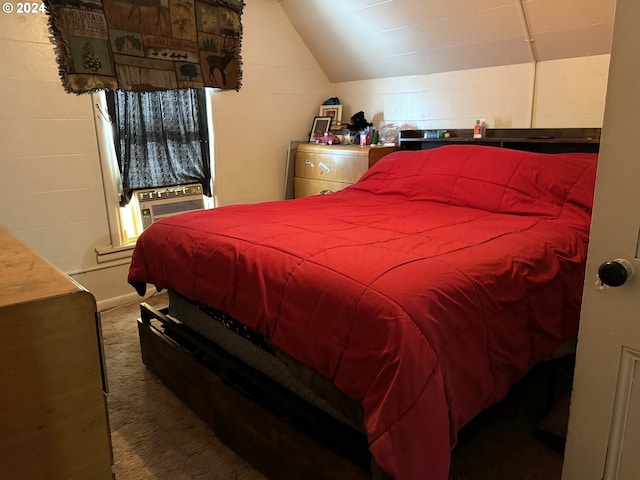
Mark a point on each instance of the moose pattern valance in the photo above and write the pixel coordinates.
(147, 45)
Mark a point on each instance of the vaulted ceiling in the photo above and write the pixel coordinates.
(367, 39)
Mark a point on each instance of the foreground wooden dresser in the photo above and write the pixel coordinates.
(53, 411)
(329, 168)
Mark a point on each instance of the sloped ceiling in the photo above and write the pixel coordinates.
(368, 39)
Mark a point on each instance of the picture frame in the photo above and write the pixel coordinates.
(320, 126)
(333, 111)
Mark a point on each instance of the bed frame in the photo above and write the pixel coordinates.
(280, 434)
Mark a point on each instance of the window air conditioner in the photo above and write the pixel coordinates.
(157, 203)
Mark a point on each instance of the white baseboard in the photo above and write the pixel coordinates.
(122, 300)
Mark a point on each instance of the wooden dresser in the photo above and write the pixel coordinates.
(320, 168)
(53, 412)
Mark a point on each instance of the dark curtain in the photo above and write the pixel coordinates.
(160, 139)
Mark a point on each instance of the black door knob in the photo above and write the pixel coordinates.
(614, 273)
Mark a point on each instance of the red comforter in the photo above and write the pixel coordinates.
(424, 291)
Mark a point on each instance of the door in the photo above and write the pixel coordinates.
(604, 423)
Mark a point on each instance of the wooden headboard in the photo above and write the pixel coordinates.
(544, 140)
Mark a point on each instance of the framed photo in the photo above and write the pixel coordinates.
(333, 111)
(320, 126)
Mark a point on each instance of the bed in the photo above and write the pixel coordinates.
(396, 309)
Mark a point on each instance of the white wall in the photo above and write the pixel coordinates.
(51, 191)
(568, 93)
(282, 89)
(571, 92)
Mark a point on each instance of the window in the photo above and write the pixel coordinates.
(151, 140)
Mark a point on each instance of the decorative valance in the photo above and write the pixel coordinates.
(147, 45)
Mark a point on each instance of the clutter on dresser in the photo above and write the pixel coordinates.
(319, 127)
(388, 134)
(333, 111)
(327, 139)
(479, 129)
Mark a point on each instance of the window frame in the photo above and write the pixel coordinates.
(122, 244)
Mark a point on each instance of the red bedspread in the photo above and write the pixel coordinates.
(423, 291)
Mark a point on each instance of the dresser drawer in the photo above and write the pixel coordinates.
(343, 167)
(332, 167)
(309, 186)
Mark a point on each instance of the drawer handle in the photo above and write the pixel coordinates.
(325, 192)
(310, 163)
(324, 167)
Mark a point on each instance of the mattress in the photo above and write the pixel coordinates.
(254, 350)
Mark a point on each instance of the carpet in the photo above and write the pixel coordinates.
(552, 431)
(156, 437)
